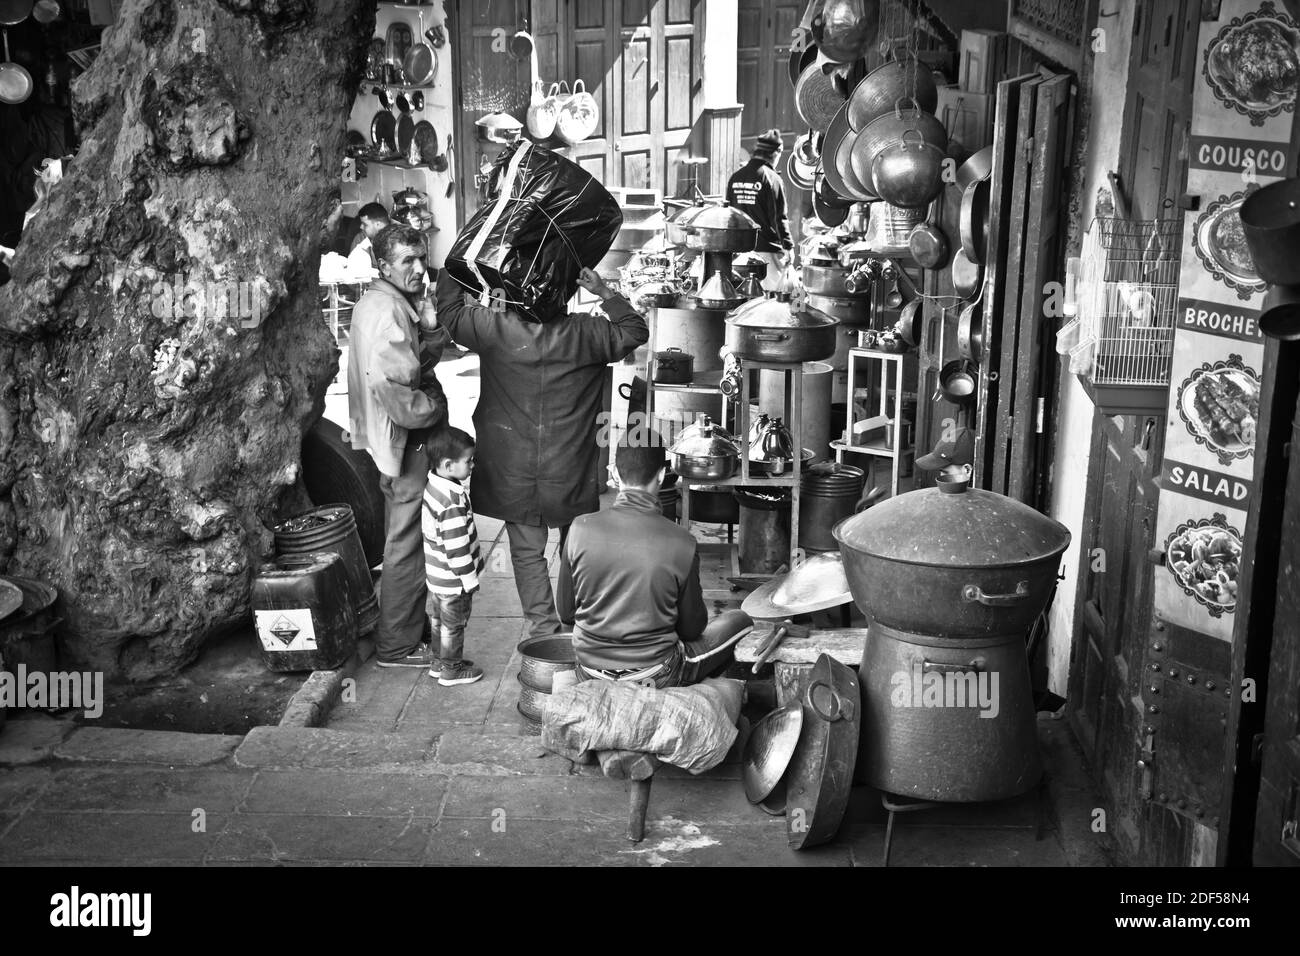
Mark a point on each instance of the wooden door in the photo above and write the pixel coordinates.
(488, 80)
(1157, 116)
(641, 60)
(1112, 611)
(763, 82)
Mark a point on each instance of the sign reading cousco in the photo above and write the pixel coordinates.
(1238, 156)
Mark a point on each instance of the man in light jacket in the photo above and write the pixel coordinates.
(536, 420)
(394, 404)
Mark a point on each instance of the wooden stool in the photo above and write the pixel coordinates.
(638, 768)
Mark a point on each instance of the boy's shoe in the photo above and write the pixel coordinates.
(459, 672)
(422, 656)
(436, 669)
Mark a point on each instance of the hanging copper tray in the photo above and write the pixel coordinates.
(821, 773)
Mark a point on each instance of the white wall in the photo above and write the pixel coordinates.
(1106, 97)
(721, 27)
(382, 181)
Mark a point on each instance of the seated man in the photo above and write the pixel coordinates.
(629, 583)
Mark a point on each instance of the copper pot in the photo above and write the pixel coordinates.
(887, 130)
(909, 172)
(721, 229)
(882, 88)
(767, 330)
(952, 561)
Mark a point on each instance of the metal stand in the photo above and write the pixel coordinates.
(891, 367)
(793, 410)
(895, 804)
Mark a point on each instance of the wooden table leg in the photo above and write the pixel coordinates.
(639, 803)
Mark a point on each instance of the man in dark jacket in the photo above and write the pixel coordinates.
(394, 404)
(757, 191)
(536, 420)
(630, 582)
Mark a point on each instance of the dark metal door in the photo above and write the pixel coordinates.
(1275, 527)
(1114, 605)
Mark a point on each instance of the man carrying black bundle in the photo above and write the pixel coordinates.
(757, 191)
(536, 420)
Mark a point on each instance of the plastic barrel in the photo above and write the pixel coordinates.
(333, 528)
(303, 610)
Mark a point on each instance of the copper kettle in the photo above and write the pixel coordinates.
(411, 208)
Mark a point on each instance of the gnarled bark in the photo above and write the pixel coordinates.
(145, 435)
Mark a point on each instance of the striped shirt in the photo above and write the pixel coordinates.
(451, 558)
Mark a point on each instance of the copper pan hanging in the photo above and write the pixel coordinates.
(837, 148)
(885, 85)
(816, 97)
(970, 332)
(966, 275)
(975, 220)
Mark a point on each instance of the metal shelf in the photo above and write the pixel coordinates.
(883, 451)
(793, 386)
(892, 450)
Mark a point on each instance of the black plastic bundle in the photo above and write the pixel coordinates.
(546, 220)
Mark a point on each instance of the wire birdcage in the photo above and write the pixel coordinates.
(1128, 291)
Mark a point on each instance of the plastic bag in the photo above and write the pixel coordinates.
(546, 220)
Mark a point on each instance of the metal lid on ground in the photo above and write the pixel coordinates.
(814, 585)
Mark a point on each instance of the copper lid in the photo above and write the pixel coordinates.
(954, 525)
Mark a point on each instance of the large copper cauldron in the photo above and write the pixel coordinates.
(952, 561)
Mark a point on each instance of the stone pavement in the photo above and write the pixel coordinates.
(407, 772)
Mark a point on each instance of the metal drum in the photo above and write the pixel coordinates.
(828, 494)
(947, 720)
(764, 531)
(816, 417)
(697, 332)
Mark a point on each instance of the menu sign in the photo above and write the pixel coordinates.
(1243, 106)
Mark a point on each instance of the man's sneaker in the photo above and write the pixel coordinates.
(459, 672)
(420, 657)
(436, 669)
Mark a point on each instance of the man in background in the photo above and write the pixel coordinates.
(757, 191)
(362, 262)
(953, 455)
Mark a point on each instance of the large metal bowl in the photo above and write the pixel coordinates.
(952, 561)
(543, 658)
(711, 468)
(769, 749)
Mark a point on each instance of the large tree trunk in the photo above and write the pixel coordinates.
(145, 438)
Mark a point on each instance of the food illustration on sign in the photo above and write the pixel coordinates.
(1204, 557)
(1253, 65)
(1220, 241)
(1219, 404)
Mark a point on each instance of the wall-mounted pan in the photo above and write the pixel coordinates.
(15, 81)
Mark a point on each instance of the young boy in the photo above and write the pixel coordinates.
(451, 556)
